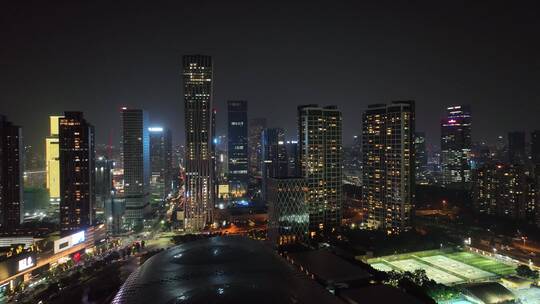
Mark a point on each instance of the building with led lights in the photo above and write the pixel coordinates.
(388, 176)
(199, 185)
(160, 163)
(420, 154)
(237, 136)
(288, 217)
(505, 190)
(320, 154)
(456, 146)
(11, 175)
(52, 162)
(77, 173)
(256, 126)
(136, 162)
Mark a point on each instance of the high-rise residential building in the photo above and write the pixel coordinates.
(320, 146)
(288, 216)
(456, 146)
(388, 176)
(504, 190)
(535, 147)
(160, 163)
(77, 173)
(256, 127)
(136, 162)
(11, 175)
(420, 154)
(237, 136)
(52, 161)
(104, 181)
(199, 196)
(273, 156)
(516, 148)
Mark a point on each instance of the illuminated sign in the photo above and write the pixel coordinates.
(155, 129)
(26, 263)
(68, 241)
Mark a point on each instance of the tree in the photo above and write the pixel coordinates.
(526, 272)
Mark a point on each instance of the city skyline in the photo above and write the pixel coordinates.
(273, 152)
(433, 72)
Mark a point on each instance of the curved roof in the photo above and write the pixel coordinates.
(489, 293)
(219, 270)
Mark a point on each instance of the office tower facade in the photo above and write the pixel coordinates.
(52, 161)
(104, 181)
(288, 216)
(535, 147)
(456, 146)
(388, 176)
(293, 159)
(516, 148)
(115, 207)
(237, 136)
(320, 146)
(481, 154)
(420, 154)
(11, 175)
(503, 190)
(256, 127)
(199, 196)
(273, 156)
(77, 173)
(214, 157)
(136, 162)
(160, 163)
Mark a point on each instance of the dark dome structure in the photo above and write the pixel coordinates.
(220, 270)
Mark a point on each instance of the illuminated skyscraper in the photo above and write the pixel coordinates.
(456, 146)
(52, 161)
(274, 157)
(420, 157)
(237, 137)
(160, 162)
(293, 159)
(320, 146)
(77, 173)
(11, 175)
(256, 127)
(197, 84)
(104, 181)
(136, 160)
(388, 176)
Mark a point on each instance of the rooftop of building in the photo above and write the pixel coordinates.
(377, 294)
(229, 269)
(329, 268)
(489, 293)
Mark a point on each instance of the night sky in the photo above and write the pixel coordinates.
(99, 56)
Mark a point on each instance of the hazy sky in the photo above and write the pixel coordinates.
(101, 55)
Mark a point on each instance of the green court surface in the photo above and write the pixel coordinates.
(484, 263)
(446, 266)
